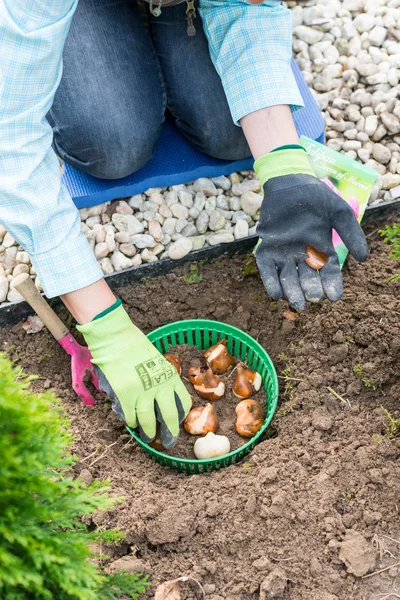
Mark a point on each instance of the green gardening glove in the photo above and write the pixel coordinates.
(143, 382)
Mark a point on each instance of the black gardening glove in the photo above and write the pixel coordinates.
(299, 210)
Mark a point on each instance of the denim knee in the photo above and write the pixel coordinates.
(230, 144)
(216, 135)
(113, 153)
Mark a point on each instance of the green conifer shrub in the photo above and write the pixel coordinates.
(44, 546)
(391, 235)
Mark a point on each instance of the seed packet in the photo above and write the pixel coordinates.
(348, 178)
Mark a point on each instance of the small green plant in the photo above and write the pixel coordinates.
(193, 276)
(392, 425)
(288, 407)
(366, 381)
(69, 321)
(249, 267)
(44, 545)
(247, 466)
(391, 235)
(43, 357)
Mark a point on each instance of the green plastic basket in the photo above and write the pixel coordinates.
(203, 333)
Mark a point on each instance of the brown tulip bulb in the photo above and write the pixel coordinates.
(246, 382)
(175, 360)
(218, 358)
(315, 259)
(193, 373)
(250, 418)
(201, 420)
(209, 386)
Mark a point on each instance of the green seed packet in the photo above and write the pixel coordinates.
(350, 179)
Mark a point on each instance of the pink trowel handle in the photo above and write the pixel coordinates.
(81, 367)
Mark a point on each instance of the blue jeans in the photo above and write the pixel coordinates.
(118, 81)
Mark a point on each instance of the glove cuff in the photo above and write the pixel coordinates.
(111, 331)
(286, 160)
(117, 303)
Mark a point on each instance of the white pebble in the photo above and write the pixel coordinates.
(101, 250)
(381, 154)
(3, 288)
(143, 240)
(10, 257)
(128, 223)
(20, 268)
(371, 125)
(222, 182)
(219, 238)
(148, 256)
(364, 22)
(120, 262)
(135, 201)
(179, 211)
(110, 240)
(106, 266)
(206, 186)
(241, 229)
(14, 296)
(136, 260)
(155, 230)
(23, 257)
(377, 35)
(395, 193)
(123, 208)
(180, 248)
(158, 248)
(390, 180)
(128, 249)
(251, 203)
(198, 241)
(8, 240)
(391, 122)
(169, 226)
(185, 198)
(217, 220)
(308, 34)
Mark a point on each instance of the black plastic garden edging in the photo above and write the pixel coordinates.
(10, 314)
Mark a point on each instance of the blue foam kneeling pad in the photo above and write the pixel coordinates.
(175, 161)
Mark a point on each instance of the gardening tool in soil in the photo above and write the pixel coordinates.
(81, 367)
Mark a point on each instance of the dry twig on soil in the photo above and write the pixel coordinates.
(381, 570)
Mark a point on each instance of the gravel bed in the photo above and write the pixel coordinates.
(349, 53)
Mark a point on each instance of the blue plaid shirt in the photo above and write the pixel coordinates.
(251, 50)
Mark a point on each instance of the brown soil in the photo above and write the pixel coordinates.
(278, 520)
(224, 408)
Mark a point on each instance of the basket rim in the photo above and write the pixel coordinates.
(200, 324)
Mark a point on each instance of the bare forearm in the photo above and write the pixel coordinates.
(88, 302)
(269, 128)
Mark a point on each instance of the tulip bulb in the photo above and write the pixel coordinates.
(218, 358)
(246, 382)
(156, 443)
(193, 372)
(315, 258)
(250, 418)
(211, 446)
(175, 360)
(209, 386)
(201, 420)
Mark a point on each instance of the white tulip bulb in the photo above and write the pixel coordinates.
(211, 446)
